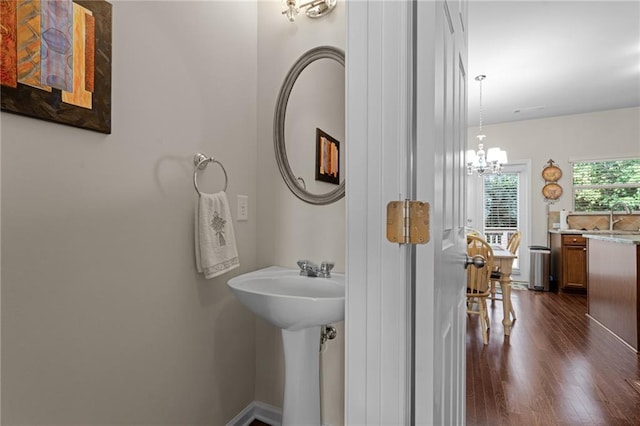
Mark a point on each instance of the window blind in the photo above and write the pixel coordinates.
(501, 200)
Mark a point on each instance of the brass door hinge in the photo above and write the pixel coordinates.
(408, 222)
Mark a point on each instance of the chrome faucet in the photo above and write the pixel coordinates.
(310, 269)
(613, 222)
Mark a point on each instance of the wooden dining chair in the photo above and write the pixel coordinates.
(514, 242)
(478, 280)
(512, 245)
(473, 231)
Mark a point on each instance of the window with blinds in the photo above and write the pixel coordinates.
(501, 205)
(597, 185)
(501, 201)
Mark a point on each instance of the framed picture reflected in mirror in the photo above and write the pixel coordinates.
(327, 158)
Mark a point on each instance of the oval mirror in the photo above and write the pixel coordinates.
(308, 126)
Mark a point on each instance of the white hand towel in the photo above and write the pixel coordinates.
(216, 250)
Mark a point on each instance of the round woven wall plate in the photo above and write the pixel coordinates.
(551, 174)
(552, 191)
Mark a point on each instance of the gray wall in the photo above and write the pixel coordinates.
(289, 229)
(104, 318)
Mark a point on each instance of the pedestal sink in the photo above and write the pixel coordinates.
(299, 305)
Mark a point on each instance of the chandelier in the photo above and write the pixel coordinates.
(313, 8)
(482, 161)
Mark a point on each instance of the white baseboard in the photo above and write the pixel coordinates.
(257, 410)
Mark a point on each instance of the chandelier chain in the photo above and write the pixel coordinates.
(481, 105)
(479, 79)
(482, 161)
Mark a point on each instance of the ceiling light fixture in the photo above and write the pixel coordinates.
(480, 161)
(314, 8)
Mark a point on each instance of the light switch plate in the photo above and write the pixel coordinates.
(243, 207)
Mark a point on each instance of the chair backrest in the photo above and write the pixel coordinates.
(473, 231)
(478, 278)
(514, 242)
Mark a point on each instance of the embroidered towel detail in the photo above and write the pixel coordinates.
(216, 250)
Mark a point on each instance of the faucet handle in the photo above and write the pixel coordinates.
(302, 263)
(306, 264)
(326, 267)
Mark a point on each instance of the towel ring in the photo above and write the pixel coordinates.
(201, 161)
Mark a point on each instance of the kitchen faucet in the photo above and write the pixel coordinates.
(613, 222)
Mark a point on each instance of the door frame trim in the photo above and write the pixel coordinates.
(475, 212)
(378, 332)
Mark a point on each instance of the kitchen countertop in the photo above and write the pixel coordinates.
(593, 232)
(615, 238)
(566, 231)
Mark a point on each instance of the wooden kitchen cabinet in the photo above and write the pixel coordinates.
(569, 262)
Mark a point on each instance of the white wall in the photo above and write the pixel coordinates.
(606, 134)
(104, 318)
(289, 229)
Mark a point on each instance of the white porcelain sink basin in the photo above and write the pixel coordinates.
(299, 305)
(290, 301)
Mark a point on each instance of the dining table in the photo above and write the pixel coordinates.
(503, 258)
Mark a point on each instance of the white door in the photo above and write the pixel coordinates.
(441, 179)
(406, 133)
(476, 212)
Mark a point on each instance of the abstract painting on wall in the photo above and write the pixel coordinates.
(55, 61)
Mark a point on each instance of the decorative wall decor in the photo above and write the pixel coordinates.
(56, 61)
(551, 174)
(327, 158)
(551, 191)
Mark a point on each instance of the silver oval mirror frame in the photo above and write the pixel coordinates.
(290, 179)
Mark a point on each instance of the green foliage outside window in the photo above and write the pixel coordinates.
(597, 185)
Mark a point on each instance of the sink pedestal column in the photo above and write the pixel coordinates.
(302, 377)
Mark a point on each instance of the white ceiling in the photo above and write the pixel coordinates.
(548, 58)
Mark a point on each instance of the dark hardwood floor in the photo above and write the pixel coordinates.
(558, 367)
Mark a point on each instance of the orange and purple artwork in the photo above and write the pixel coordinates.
(56, 61)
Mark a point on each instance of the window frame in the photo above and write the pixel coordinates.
(609, 186)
